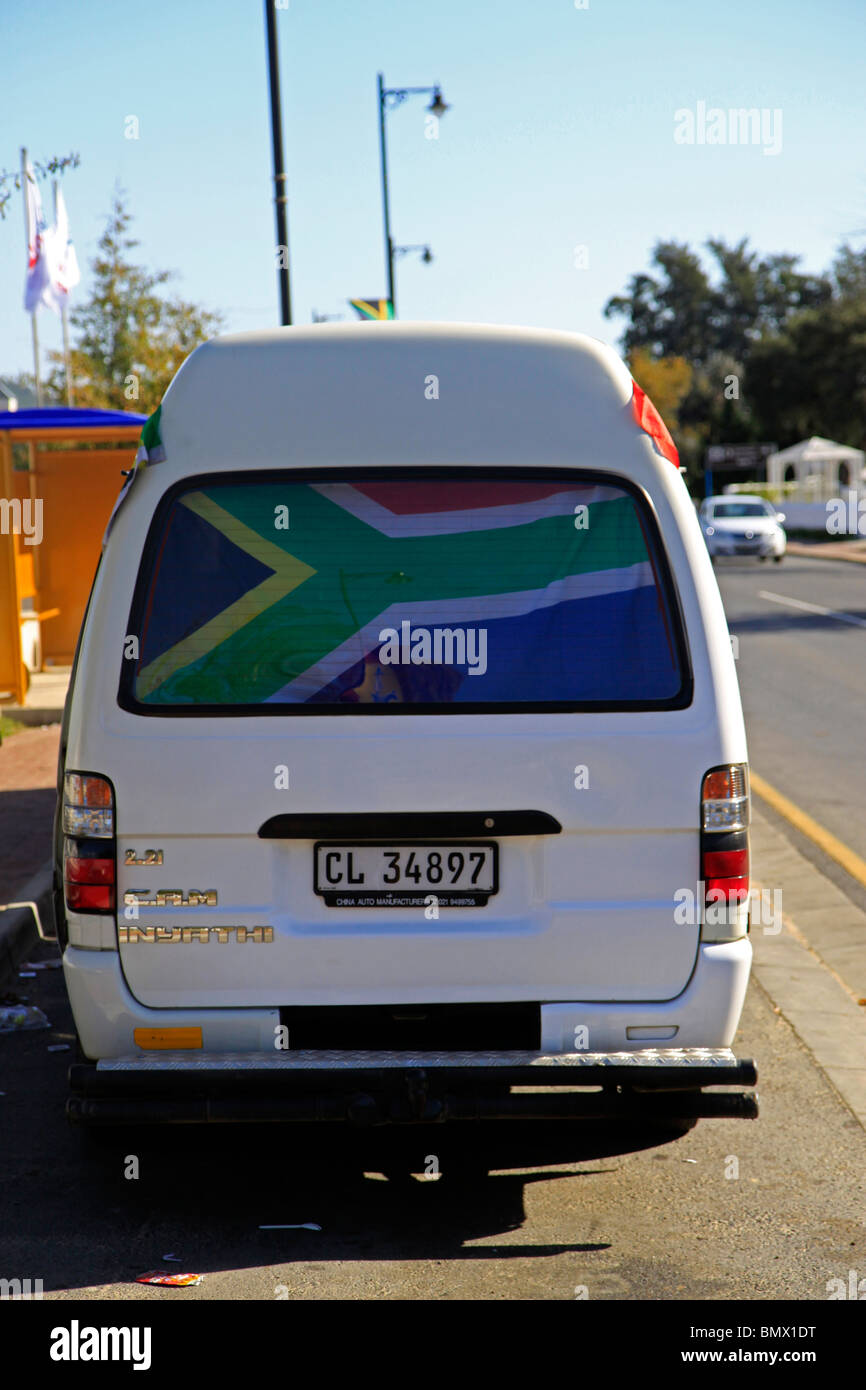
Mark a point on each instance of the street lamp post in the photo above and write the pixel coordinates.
(426, 253)
(389, 245)
(395, 96)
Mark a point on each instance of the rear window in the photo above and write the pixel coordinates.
(282, 594)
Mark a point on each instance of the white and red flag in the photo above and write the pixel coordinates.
(38, 269)
(52, 265)
(63, 262)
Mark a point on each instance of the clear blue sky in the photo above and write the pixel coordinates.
(561, 134)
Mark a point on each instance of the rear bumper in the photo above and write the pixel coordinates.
(766, 545)
(705, 1014)
(376, 1088)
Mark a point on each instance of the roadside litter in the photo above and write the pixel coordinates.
(296, 1226)
(171, 1281)
(18, 1018)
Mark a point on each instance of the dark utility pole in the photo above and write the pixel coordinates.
(281, 197)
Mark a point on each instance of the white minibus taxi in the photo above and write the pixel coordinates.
(403, 767)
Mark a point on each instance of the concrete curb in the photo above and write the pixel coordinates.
(18, 930)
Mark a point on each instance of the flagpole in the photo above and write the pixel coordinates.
(64, 319)
(27, 230)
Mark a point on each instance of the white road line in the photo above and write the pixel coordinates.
(813, 608)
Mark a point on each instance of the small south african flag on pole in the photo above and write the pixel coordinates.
(373, 308)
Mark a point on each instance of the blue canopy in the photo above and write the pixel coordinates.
(63, 417)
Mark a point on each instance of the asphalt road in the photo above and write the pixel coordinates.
(614, 1215)
(803, 682)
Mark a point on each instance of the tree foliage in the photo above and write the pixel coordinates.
(682, 312)
(773, 353)
(666, 381)
(812, 377)
(129, 337)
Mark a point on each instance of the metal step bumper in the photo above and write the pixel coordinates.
(373, 1088)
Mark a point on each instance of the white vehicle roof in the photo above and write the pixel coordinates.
(382, 394)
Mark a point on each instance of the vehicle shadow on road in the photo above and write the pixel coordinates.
(85, 1213)
(790, 621)
(205, 1195)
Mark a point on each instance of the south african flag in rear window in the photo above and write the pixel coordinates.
(412, 591)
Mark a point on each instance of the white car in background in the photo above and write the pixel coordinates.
(743, 526)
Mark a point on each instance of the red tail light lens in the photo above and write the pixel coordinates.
(77, 870)
(725, 852)
(88, 897)
(89, 858)
(726, 873)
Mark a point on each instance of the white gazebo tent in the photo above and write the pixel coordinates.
(821, 468)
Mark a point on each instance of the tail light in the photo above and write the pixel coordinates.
(725, 852)
(89, 849)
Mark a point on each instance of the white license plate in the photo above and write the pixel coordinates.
(406, 875)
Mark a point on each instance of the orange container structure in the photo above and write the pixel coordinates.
(56, 495)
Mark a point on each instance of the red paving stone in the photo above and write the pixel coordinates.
(28, 778)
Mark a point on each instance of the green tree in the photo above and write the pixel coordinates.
(849, 272)
(813, 375)
(682, 313)
(715, 409)
(774, 354)
(669, 314)
(130, 338)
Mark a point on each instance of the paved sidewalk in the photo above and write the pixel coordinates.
(45, 699)
(28, 777)
(812, 962)
(830, 550)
